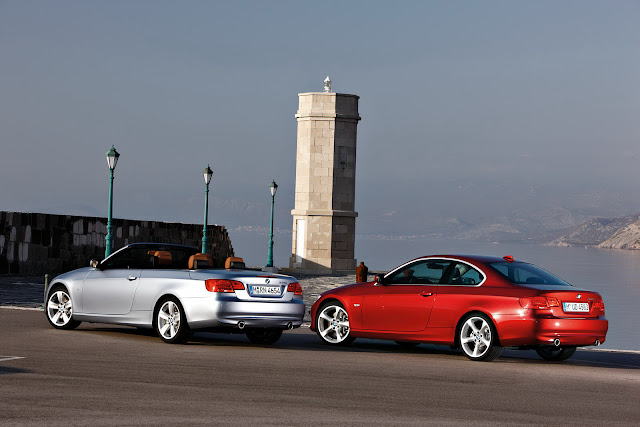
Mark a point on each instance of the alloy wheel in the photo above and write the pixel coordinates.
(475, 337)
(59, 308)
(169, 320)
(333, 324)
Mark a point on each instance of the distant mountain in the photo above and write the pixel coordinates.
(616, 233)
(627, 237)
(522, 226)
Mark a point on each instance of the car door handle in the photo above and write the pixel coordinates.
(426, 294)
(131, 278)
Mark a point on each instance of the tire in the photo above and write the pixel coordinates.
(478, 338)
(170, 321)
(59, 309)
(407, 344)
(555, 354)
(332, 324)
(264, 336)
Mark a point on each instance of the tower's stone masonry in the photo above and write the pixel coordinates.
(324, 217)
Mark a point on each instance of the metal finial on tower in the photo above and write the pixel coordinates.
(327, 84)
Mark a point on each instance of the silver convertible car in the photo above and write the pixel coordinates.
(174, 290)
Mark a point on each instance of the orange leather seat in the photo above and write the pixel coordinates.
(200, 261)
(234, 262)
(164, 257)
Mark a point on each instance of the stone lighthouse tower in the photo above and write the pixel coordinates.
(324, 218)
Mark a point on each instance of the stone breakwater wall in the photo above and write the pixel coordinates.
(37, 243)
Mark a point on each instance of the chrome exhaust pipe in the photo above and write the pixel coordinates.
(597, 343)
(289, 325)
(556, 342)
(241, 324)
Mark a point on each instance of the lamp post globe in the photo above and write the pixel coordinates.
(112, 161)
(273, 187)
(207, 174)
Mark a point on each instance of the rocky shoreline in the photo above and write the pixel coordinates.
(617, 233)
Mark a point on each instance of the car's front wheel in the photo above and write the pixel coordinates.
(59, 309)
(556, 354)
(264, 336)
(332, 324)
(170, 322)
(478, 338)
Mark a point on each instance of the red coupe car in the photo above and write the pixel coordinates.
(477, 303)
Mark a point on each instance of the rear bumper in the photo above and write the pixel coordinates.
(572, 331)
(517, 331)
(205, 313)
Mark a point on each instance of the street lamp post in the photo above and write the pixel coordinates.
(207, 174)
(273, 187)
(112, 160)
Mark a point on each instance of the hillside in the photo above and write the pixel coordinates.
(616, 233)
(625, 238)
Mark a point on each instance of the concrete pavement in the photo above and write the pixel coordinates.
(105, 375)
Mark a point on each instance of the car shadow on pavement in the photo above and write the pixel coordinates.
(8, 370)
(307, 342)
(590, 358)
(587, 357)
(297, 341)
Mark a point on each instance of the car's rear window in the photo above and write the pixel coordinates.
(522, 273)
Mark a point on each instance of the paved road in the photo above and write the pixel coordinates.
(105, 375)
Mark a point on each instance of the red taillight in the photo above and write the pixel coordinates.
(539, 303)
(295, 288)
(223, 285)
(599, 305)
(553, 302)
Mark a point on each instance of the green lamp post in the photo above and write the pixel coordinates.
(112, 160)
(207, 174)
(273, 187)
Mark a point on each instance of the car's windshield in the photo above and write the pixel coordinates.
(152, 256)
(522, 273)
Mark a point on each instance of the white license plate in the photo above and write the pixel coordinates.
(265, 290)
(576, 306)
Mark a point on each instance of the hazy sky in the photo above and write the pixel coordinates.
(469, 109)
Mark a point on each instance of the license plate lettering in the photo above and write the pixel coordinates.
(265, 290)
(576, 306)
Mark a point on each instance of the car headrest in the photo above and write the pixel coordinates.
(234, 262)
(200, 261)
(164, 257)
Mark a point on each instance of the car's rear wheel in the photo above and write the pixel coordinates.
(478, 338)
(332, 324)
(264, 336)
(556, 354)
(170, 322)
(59, 309)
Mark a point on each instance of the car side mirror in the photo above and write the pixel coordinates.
(94, 263)
(379, 279)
